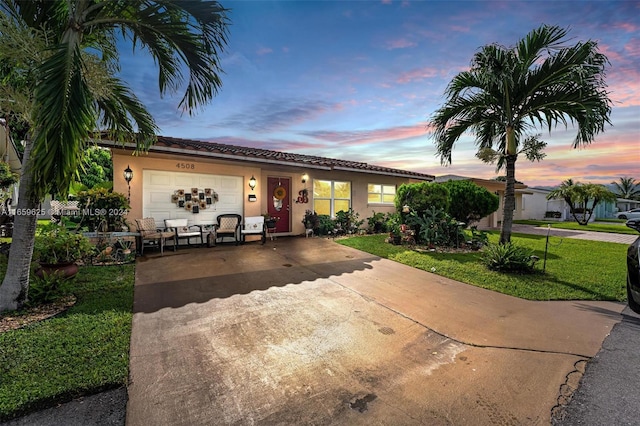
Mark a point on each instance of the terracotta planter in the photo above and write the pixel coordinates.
(67, 270)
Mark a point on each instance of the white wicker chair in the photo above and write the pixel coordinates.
(182, 230)
(254, 225)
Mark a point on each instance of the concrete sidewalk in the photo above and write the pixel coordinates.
(306, 331)
(578, 235)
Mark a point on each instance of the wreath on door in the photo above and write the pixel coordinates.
(279, 193)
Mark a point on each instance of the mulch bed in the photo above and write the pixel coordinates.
(13, 320)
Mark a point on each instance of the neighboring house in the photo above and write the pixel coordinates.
(494, 220)
(623, 205)
(535, 205)
(286, 185)
(9, 154)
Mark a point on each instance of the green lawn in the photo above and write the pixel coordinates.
(613, 227)
(83, 351)
(575, 270)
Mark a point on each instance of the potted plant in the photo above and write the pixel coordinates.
(270, 221)
(57, 250)
(393, 225)
(311, 220)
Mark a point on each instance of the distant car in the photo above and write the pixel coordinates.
(633, 269)
(631, 214)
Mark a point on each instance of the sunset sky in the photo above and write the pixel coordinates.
(359, 81)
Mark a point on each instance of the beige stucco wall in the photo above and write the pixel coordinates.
(156, 161)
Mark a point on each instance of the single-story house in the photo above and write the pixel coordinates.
(494, 220)
(535, 205)
(218, 178)
(623, 205)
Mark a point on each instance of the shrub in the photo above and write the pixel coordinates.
(478, 239)
(377, 223)
(46, 289)
(325, 224)
(552, 214)
(469, 202)
(56, 244)
(436, 227)
(419, 197)
(103, 210)
(7, 177)
(347, 222)
(508, 258)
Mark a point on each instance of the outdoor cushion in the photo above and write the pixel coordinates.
(183, 230)
(150, 232)
(228, 225)
(254, 225)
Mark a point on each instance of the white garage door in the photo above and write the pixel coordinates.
(159, 186)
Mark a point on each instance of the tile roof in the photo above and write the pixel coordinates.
(258, 155)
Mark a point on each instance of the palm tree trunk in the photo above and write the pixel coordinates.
(509, 200)
(15, 286)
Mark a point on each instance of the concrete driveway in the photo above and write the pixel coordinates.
(306, 331)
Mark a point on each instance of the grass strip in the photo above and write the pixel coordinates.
(82, 351)
(611, 227)
(575, 269)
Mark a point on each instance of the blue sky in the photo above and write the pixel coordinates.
(359, 81)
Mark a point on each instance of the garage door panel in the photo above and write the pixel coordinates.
(159, 179)
(158, 197)
(186, 181)
(159, 186)
(229, 184)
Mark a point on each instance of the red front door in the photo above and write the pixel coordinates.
(279, 202)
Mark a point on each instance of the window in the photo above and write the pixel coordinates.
(329, 197)
(381, 194)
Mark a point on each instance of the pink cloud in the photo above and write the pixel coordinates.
(626, 26)
(417, 74)
(400, 43)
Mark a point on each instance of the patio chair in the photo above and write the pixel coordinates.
(182, 230)
(228, 226)
(254, 225)
(149, 232)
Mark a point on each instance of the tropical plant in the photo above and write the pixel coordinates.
(7, 177)
(394, 220)
(56, 244)
(508, 257)
(103, 209)
(627, 188)
(436, 227)
(96, 167)
(310, 220)
(63, 57)
(509, 92)
(469, 202)
(581, 198)
(348, 222)
(377, 223)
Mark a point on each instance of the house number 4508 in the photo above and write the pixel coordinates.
(185, 166)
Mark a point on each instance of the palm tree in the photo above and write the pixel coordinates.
(582, 199)
(72, 90)
(627, 188)
(510, 92)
